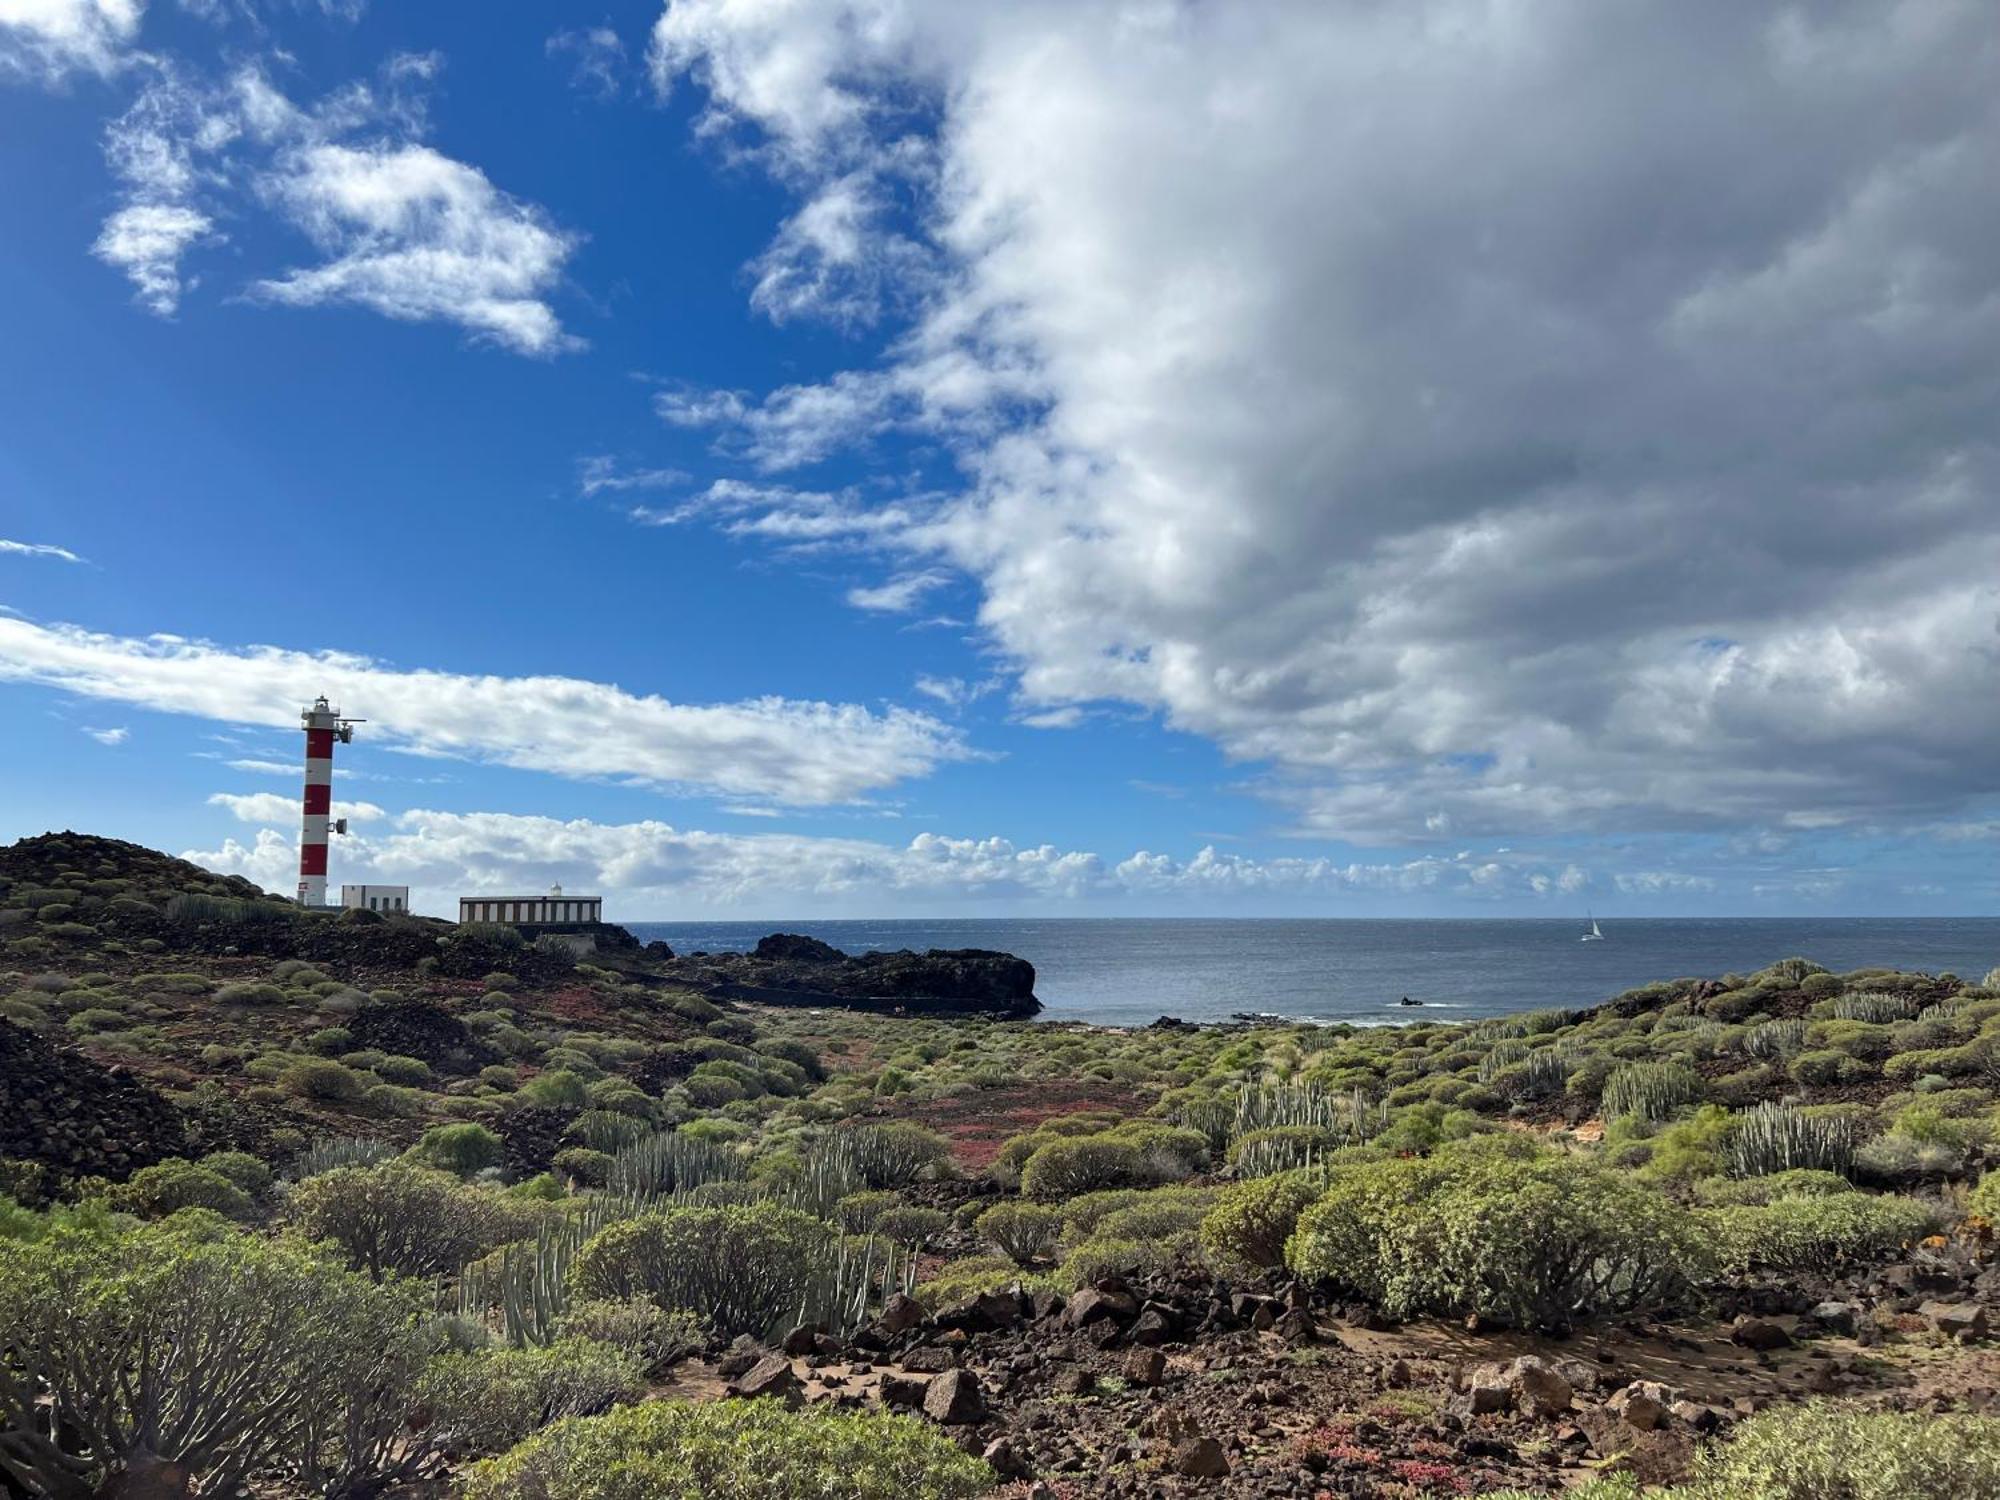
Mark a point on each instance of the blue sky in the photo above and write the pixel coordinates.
(781, 459)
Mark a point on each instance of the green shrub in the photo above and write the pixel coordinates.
(647, 1331)
(1827, 1067)
(970, 1275)
(1105, 1255)
(250, 993)
(321, 1078)
(248, 1172)
(172, 1185)
(912, 1225)
(897, 1153)
(1819, 1235)
(581, 1164)
(1247, 1228)
(463, 1149)
(408, 1072)
(1778, 1138)
(1820, 1452)
(1542, 1241)
(401, 1217)
(1023, 1232)
(558, 1087)
(1065, 1168)
(1800, 1182)
(1985, 1198)
(748, 1450)
(120, 1331)
(857, 1212)
(487, 1401)
(1651, 1090)
(741, 1270)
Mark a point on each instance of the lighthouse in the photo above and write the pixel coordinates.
(323, 726)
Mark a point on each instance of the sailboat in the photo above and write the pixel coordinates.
(1596, 933)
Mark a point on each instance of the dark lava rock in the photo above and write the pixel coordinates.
(75, 1117)
(1199, 1458)
(786, 969)
(905, 1391)
(531, 1136)
(770, 1376)
(955, 1398)
(1760, 1334)
(415, 1028)
(793, 947)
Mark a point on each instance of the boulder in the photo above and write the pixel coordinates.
(1145, 1367)
(1955, 1320)
(1199, 1458)
(905, 1391)
(955, 1398)
(900, 1314)
(770, 1376)
(1154, 1325)
(1092, 1305)
(1644, 1404)
(1759, 1333)
(1835, 1318)
(988, 1312)
(1536, 1387)
(929, 1359)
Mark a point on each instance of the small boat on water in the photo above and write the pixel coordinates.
(1595, 935)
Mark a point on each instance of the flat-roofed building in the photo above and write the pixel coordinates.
(553, 910)
(376, 897)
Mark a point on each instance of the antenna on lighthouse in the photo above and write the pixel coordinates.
(323, 725)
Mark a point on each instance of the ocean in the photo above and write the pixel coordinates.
(1122, 972)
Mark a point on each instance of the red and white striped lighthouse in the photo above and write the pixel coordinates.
(323, 726)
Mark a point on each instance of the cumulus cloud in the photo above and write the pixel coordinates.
(418, 236)
(37, 549)
(789, 751)
(1445, 406)
(403, 229)
(271, 807)
(47, 40)
(651, 868)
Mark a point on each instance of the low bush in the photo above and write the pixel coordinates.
(970, 1275)
(748, 1450)
(1817, 1452)
(321, 1078)
(463, 1149)
(404, 1218)
(1816, 1234)
(741, 1270)
(172, 1185)
(119, 1332)
(1023, 1232)
(649, 1332)
(1542, 1241)
(1065, 1168)
(1247, 1228)
(487, 1401)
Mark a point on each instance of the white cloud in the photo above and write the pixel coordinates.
(596, 57)
(418, 236)
(50, 39)
(1625, 463)
(114, 736)
(600, 474)
(146, 241)
(955, 691)
(405, 230)
(899, 595)
(37, 549)
(271, 807)
(1660, 882)
(650, 869)
(787, 751)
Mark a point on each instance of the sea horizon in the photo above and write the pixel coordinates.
(1128, 971)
